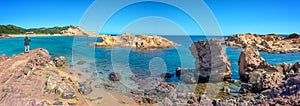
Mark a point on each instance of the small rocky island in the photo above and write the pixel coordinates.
(270, 43)
(142, 42)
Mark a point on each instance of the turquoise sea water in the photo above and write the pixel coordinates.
(142, 63)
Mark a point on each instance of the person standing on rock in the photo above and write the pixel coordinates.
(26, 43)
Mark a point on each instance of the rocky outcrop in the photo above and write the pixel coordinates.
(211, 63)
(258, 74)
(142, 42)
(4, 36)
(249, 60)
(271, 43)
(30, 78)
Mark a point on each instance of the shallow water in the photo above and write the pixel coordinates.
(142, 63)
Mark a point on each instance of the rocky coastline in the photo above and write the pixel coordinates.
(54, 83)
(270, 43)
(142, 42)
(260, 83)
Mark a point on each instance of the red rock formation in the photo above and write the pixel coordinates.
(142, 42)
(32, 78)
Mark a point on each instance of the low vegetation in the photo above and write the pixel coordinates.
(12, 29)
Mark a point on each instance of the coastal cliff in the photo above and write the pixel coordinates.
(142, 42)
(271, 43)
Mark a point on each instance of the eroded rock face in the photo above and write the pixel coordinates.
(142, 42)
(211, 61)
(271, 43)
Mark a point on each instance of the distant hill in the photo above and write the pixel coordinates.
(12, 29)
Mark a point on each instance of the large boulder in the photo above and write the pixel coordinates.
(211, 61)
(249, 60)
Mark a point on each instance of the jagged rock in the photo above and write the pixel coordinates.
(270, 43)
(115, 76)
(211, 62)
(249, 60)
(59, 61)
(142, 42)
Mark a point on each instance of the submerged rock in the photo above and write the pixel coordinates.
(114, 76)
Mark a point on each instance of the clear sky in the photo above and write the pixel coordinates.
(233, 16)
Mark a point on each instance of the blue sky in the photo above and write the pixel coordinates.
(233, 16)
